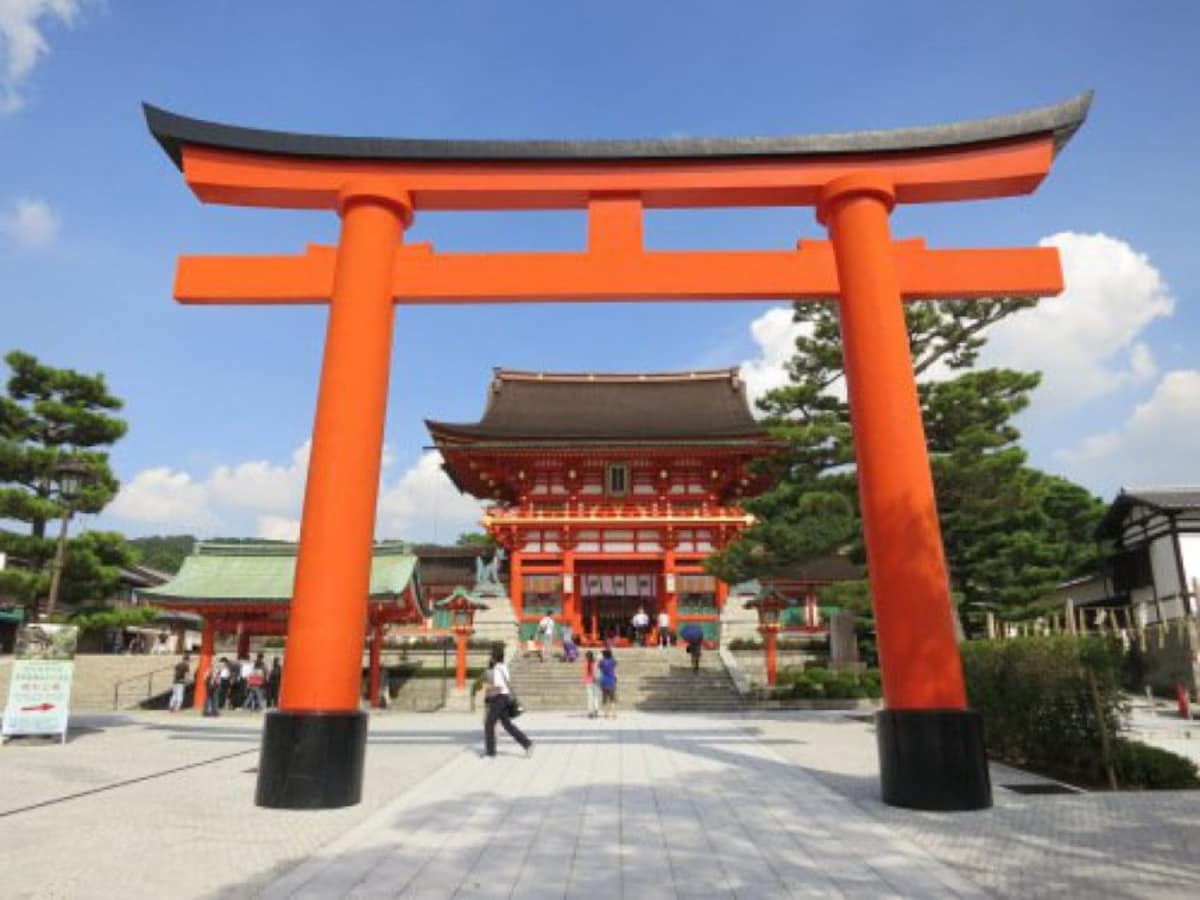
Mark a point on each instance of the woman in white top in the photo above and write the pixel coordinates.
(498, 691)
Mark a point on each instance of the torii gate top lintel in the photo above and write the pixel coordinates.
(998, 156)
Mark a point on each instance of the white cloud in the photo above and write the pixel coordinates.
(424, 505)
(775, 334)
(277, 528)
(23, 44)
(29, 223)
(164, 497)
(1085, 340)
(263, 498)
(260, 485)
(1158, 444)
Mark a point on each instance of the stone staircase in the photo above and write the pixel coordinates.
(647, 679)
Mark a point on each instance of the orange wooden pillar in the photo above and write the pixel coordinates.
(931, 747)
(373, 679)
(771, 645)
(670, 595)
(243, 641)
(314, 745)
(516, 584)
(571, 611)
(204, 666)
(460, 658)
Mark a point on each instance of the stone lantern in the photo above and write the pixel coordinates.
(769, 607)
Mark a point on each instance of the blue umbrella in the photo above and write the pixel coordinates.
(692, 633)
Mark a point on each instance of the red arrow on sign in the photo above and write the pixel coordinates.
(41, 707)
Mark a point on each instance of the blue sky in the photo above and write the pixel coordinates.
(220, 400)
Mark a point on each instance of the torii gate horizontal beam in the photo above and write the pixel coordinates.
(424, 277)
(995, 157)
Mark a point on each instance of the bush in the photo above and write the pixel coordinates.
(821, 684)
(1139, 765)
(745, 644)
(1036, 697)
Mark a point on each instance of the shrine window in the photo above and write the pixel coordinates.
(616, 479)
(648, 541)
(587, 541)
(538, 541)
(618, 541)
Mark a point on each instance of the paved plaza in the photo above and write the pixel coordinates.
(647, 805)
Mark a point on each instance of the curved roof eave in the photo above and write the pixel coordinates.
(173, 131)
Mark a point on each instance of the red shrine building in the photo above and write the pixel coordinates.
(608, 491)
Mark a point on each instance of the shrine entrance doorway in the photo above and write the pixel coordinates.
(611, 594)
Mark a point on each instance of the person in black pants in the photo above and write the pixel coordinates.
(498, 692)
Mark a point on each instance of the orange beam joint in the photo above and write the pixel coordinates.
(616, 269)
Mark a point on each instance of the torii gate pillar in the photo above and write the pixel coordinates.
(931, 749)
(314, 744)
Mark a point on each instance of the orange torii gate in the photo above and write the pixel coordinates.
(931, 747)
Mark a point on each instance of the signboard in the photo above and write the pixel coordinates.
(39, 692)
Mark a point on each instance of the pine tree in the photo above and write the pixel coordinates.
(1010, 532)
(49, 417)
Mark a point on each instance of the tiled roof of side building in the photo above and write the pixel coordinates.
(252, 573)
(638, 406)
(1168, 498)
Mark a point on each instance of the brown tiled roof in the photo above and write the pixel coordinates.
(707, 405)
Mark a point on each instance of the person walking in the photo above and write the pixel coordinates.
(274, 679)
(641, 624)
(546, 631)
(664, 629)
(570, 651)
(608, 683)
(224, 676)
(694, 647)
(179, 683)
(254, 688)
(212, 691)
(498, 694)
(589, 683)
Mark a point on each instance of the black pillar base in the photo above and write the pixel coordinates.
(311, 760)
(933, 759)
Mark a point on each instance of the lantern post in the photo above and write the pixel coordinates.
(769, 606)
(462, 611)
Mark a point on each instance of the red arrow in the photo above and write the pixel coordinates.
(41, 707)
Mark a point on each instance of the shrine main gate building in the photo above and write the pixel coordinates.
(610, 490)
(931, 747)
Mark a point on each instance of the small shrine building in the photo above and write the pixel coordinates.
(608, 491)
(246, 589)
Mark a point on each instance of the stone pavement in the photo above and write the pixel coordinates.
(647, 805)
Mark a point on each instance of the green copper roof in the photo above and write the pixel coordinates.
(264, 573)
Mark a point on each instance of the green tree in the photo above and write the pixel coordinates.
(475, 539)
(1010, 532)
(163, 552)
(48, 417)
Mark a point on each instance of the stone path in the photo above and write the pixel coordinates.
(642, 806)
(649, 805)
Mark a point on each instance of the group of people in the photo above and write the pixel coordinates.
(242, 684)
(545, 629)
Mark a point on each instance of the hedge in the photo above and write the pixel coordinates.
(1054, 703)
(822, 684)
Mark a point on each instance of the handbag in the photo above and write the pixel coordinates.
(514, 706)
